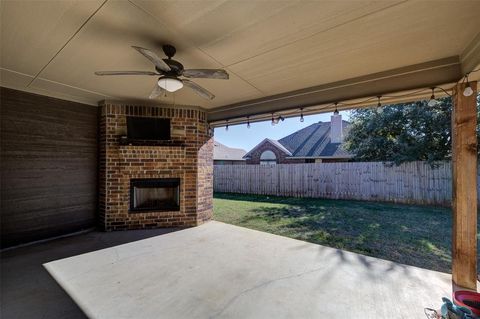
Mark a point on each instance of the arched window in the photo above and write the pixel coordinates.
(268, 158)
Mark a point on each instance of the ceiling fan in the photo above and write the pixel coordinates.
(169, 71)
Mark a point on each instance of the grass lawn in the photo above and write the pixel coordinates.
(412, 235)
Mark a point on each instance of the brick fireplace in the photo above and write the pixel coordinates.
(149, 183)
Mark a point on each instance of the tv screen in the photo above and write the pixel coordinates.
(148, 128)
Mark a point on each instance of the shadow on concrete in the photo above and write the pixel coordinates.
(28, 291)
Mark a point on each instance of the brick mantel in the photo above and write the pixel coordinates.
(189, 158)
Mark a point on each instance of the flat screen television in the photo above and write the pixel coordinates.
(148, 128)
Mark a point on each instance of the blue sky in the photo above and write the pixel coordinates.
(240, 136)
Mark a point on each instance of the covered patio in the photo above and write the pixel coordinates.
(215, 270)
(81, 150)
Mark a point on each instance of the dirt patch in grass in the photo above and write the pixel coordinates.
(412, 235)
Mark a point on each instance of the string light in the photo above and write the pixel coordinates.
(432, 102)
(379, 104)
(278, 119)
(468, 89)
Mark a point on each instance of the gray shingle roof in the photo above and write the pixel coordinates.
(314, 141)
(223, 152)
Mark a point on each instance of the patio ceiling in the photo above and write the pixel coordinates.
(280, 54)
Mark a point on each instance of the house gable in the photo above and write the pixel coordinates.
(310, 144)
(282, 154)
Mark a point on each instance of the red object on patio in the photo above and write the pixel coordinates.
(468, 299)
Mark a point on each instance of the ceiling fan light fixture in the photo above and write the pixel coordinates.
(170, 84)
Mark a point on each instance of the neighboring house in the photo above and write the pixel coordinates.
(224, 155)
(317, 143)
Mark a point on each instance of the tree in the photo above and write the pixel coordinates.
(403, 132)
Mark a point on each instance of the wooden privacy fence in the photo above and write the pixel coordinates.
(413, 182)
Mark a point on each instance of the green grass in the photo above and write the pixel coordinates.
(412, 235)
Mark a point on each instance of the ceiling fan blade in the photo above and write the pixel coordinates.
(206, 74)
(159, 63)
(198, 89)
(156, 92)
(126, 73)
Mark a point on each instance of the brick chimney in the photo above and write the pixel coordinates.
(336, 128)
(148, 184)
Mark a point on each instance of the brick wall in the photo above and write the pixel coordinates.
(281, 156)
(205, 181)
(192, 162)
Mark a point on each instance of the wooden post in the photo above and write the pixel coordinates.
(464, 200)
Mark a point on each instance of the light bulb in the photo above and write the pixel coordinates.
(301, 115)
(248, 125)
(468, 90)
(226, 127)
(379, 104)
(432, 101)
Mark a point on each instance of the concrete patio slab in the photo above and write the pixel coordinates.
(222, 271)
(27, 291)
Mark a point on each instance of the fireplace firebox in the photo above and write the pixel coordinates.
(155, 194)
